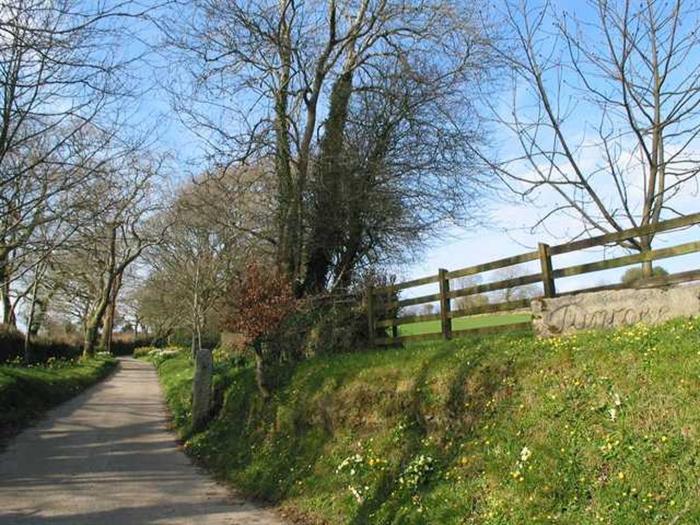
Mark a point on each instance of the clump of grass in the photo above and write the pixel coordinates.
(26, 392)
(592, 428)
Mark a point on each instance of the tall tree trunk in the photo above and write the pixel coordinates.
(91, 332)
(196, 315)
(358, 189)
(647, 266)
(108, 321)
(329, 209)
(283, 161)
(106, 328)
(28, 357)
(94, 320)
(8, 311)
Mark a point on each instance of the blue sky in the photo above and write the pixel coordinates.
(506, 232)
(509, 230)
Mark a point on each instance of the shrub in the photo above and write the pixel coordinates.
(234, 357)
(62, 347)
(43, 349)
(257, 306)
(288, 342)
(321, 326)
(11, 343)
(126, 344)
(158, 355)
(143, 351)
(635, 274)
(259, 303)
(231, 343)
(338, 328)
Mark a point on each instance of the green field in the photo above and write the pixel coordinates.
(500, 430)
(465, 323)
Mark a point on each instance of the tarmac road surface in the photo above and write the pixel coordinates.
(107, 458)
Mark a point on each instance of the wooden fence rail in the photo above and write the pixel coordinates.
(383, 303)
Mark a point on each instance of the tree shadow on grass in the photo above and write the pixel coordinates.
(254, 445)
(472, 381)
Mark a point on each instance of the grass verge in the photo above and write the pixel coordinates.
(588, 429)
(27, 392)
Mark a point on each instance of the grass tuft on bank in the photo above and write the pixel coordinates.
(592, 428)
(26, 392)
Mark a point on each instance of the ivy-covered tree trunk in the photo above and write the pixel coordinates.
(283, 156)
(330, 206)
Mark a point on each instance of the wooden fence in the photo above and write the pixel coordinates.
(383, 303)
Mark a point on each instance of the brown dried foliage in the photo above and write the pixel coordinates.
(258, 302)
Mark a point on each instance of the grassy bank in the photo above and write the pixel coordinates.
(27, 392)
(594, 428)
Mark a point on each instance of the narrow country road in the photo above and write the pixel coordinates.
(106, 457)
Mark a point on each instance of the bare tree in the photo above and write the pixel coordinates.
(112, 230)
(215, 222)
(605, 111)
(513, 293)
(471, 301)
(159, 305)
(62, 81)
(426, 309)
(37, 293)
(275, 68)
(380, 188)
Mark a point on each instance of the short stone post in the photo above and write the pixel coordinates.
(201, 389)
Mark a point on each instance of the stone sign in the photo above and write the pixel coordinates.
(609, 309)
(201, 388)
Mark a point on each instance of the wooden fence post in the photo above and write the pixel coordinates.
(445, 320)
(392, 295)
(370, 313)
(547, 272)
